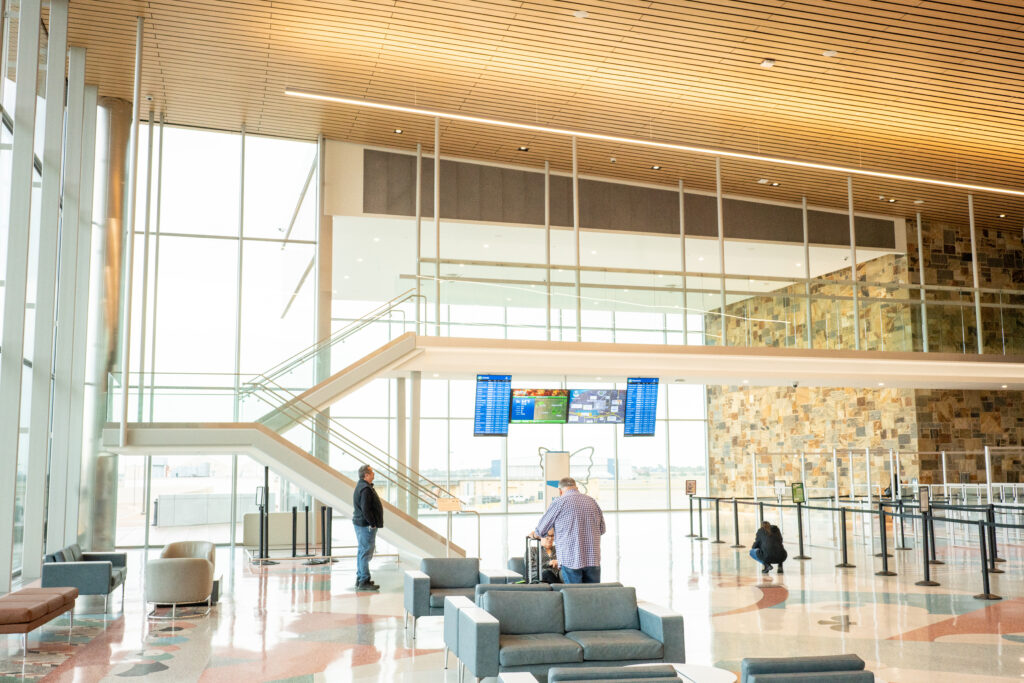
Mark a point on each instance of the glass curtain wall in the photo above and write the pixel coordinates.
(225, 293)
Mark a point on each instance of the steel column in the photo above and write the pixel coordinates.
(324, 263)
(437, 227)
(721, 241)
(414, 433)
(920, 272)
(46, 290)
(988, 475)
(419, 231)
(102, 485)
(547, 244)
(853, 264)
(682, 259)
(576, 236)
(807, 270)
(128, 249)
(974, 273)
(145, 280)
(401, 404)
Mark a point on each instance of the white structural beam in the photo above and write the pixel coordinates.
(66, 282)
(46, 290)
(16, 277)
(76, 430)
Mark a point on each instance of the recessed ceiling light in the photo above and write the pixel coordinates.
(767, 63)
(881, 197)
(1004, 386)
(655, 167)
(523, 148)
(580, 14)
(919, 201)
(892, 200)
(829, 53)
(762, 181)
(1002, 215)
(612, 160)
(776, 184)
(398, 131)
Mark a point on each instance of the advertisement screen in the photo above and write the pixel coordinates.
(539, 406)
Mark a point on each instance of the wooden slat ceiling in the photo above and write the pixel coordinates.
(921, 87)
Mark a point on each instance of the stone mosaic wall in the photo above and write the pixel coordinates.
(783, 421)
(777, 423)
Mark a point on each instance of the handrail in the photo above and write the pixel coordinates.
(348, 330)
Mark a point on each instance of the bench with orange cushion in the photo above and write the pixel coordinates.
(30, 608)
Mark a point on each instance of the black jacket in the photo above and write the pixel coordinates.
(367, 510)
(770, 546)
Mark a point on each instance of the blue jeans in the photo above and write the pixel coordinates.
(367, 539)
(756, 554)
(584, 575)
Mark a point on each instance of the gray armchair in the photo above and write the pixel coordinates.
(439, 578)
(91, 573)
(183, 574)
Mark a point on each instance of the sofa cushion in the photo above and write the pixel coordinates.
(482, 588)
(521, 612)
(815, 677)
(73, 552)
(653, 673)
(68, 595)
(537, 648)
(60, 556)
(22, 612)
(451, 572)
(437, 595)
(772, 665)
(607, 646)
(601, 609)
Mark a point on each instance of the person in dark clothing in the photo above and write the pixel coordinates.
(367, 517)
(767, 548)
(549, 560)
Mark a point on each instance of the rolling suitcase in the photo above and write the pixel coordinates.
(532, 560)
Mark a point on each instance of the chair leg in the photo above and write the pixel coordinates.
(72, 626)
(122, 595)
(24, 646)
(105, 597)
(445, 656)
(414, 627)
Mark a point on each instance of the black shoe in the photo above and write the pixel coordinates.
(367, 587)
(780, 570)
(767, 568)
(373, 583)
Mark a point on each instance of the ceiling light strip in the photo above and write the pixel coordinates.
(651, 143)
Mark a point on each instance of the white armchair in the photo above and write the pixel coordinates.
(183, 574)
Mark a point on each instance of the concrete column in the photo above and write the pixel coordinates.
(402, 458)
(324, 294)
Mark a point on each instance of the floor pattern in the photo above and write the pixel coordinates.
(304, 624)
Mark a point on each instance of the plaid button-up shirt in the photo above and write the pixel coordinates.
(579, 524)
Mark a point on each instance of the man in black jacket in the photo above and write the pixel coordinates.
(367, 517)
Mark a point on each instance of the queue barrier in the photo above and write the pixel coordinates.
(897, 510)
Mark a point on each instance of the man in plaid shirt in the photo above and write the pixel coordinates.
(578, 523)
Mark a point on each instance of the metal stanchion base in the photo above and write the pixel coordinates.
(801, 557)
(740, 545)
(716, 541)
(936, 562)
(700, 538)
(903, 547)
(1000, 559)
(881, 555)
(885, 573)
(995, 570)
(846, 565)
(926, 583)
(690, 536)
(319, 560)
(263, 563)
(987, 596)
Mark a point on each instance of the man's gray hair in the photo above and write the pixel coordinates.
(566, 483)
(363, 469)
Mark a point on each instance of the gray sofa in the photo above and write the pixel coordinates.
(652, 673)
(90, 573)
(441, 577)
(532, 631)
(846, 668)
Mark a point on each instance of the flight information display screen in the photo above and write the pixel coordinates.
(641, 406)
(539, 406)
(597, 406)
(490, 415)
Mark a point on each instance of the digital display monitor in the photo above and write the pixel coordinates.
(597, 406)
(539, 406)
(490, 415)
(641, 405)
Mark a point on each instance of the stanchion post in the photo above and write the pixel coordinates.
(931, 537)
(927, 581)
(760, 512)
(305, 525)
(993, 549)
(295, 530)
(800, 531)
(845, 564)
(691, 534)
(986, 591)
(260, 555)
(330, 531)
(736, 525)
(883, 534)
(903, 534)
(718, 524)
(700, 520)
(323, 530)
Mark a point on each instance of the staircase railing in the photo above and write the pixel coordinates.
(405, 479)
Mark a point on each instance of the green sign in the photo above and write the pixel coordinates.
(798, 492)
